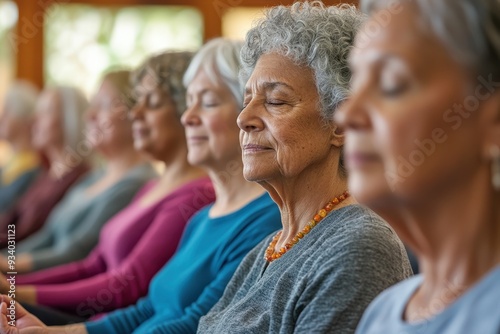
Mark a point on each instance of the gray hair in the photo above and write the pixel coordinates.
(469, 29)
(220, 60)
(167, 70)
(311, 34)
(20, 99)
(73, 105)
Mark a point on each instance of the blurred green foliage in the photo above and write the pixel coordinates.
(81, 41)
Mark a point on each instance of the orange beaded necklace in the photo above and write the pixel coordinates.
(272, 255)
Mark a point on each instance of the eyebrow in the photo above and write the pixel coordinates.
(374, 57)
(205, 91)
(143, 92)
(270, 85)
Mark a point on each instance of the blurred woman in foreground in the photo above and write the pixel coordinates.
(423, 150)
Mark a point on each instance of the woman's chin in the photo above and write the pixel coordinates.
(140, 145)
(368, 190)
(253, 175)
(40, 146)
(148, 150)
(196, 159)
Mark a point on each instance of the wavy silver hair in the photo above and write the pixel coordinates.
(311, 34)
(220, 59)
(469, 29)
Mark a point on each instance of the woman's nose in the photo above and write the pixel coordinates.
(249, 119)
(90, 115)
(352, 114)
(136, 112)
(190, 116)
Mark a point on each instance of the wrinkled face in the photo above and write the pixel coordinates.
(413, 124)
(108, 126)
(48, 127)
(210, 122)
(282, 130)
(156, 127)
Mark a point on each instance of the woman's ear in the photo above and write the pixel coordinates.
(490, 124)
(491, 145)
(337, 138)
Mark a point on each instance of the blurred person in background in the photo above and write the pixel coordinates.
(16, 121)
(72, 228)
(57, 133)
(423, 150)
(217, 237)
(332, 256)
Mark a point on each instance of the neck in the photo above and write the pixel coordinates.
(119, 164)
(60, 163)
(302, 196)
(455, 235)
(232, 190)
(178, 170)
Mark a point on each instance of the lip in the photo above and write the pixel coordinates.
(361, 159)
(196, 139)
(90, 128)
(139, 132)
(254, 148)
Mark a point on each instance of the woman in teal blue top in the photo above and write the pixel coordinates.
(220, 235)
(193, 281)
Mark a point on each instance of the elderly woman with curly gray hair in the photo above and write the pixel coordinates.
(332, 256)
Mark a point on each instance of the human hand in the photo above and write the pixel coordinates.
(13, 313)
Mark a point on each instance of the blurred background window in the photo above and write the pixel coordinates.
(82, 41)
(8, 20)
(236, 21)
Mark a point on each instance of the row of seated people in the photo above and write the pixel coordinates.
(284, 247)
(59, 217)
(135, 243)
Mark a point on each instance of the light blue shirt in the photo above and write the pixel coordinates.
(477, 311)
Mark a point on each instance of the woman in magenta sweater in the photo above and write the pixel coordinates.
(138, 241)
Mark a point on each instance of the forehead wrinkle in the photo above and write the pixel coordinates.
(268, 86)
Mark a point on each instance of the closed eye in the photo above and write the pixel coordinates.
(394, 91)
(275, 103)
(210, 105)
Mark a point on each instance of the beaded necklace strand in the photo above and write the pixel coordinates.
(271, 253)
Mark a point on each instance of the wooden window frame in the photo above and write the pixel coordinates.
(29, 31)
